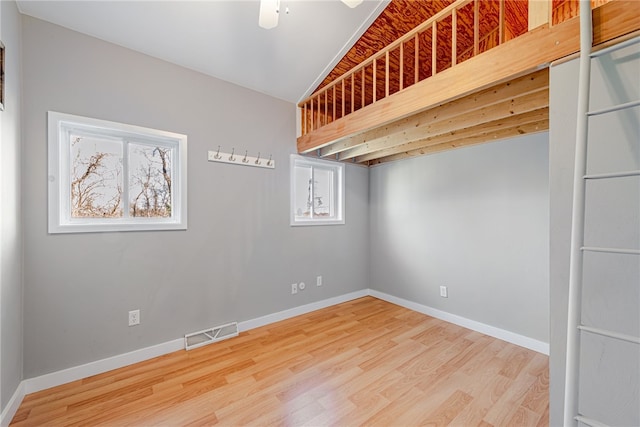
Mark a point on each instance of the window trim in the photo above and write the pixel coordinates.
(339, 168)
(59, 176)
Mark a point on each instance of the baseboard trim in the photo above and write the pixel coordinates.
(54, 379)
(100, 366)
(297, 311)
(12, 406)
(512, 337)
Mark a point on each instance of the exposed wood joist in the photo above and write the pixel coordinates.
(511, 111)
(533, 122)
(502, 101)
(385, 130)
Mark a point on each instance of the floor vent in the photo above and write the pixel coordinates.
(211, 335)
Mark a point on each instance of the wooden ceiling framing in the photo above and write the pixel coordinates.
(491, 96)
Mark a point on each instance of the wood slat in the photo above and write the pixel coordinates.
(509, 109)
(364, 362)
(521, 86)
(487, 133)
(506, 61)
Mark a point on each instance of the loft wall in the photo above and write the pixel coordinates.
(610, 375)
(239, 256)
(11, 332)
(475, 220)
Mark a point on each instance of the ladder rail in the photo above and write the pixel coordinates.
(610, 334)
(572, 365)
(626, 105)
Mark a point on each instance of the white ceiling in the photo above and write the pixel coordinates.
(223, 39)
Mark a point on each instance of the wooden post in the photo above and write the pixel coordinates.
(353, 91)
(501, 17)
(386, 74)
(334, 102)
(476, 28)
(417, 60)
(343, 98)
(454, 37)
(401, 83)
(434, 48)
(539, 12)
(375, 82)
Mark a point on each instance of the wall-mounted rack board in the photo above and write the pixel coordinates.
(241, 159)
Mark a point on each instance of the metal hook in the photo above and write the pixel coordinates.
(217, 156)
(231, 156)
(257, 162)
(269, 162)
(245, 156)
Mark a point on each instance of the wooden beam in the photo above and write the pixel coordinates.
(517, 57)
(508, 109)
(481, 138)
(479, 131)
(519, 87)
(539, 13)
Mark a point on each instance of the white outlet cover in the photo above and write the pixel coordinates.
(443, 292)
(301, 286)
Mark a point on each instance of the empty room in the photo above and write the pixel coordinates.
(320, 212)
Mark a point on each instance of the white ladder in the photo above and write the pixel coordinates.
(574, 323)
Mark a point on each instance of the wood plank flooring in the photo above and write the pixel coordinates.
(364, 362)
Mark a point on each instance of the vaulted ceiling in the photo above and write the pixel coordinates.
(222, 38)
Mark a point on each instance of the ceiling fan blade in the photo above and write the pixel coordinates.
(268, 14)
(352, 3)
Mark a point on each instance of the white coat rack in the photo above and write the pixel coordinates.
(242, 160)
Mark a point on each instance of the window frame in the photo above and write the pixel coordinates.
(338, 200)
(60, 125)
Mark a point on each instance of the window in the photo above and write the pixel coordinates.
(317, 191)
(106, 176)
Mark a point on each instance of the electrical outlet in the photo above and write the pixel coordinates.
(301, 286)
(319, 281)
(444, 293)
(294, 288)
(134, 317)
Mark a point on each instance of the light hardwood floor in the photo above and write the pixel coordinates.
(364, 362)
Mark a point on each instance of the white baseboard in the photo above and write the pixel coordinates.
(12, 407)
(99, 366)
(53, 379)
(297, 311)
(513, 338)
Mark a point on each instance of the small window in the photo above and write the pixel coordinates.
(317, 191)
(106, 176)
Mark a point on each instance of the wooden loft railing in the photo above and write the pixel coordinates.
(412, 58)
(365, 114)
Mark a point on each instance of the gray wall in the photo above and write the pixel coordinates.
(475, 220)
(10, 212)
(238, 257)
(610, 373)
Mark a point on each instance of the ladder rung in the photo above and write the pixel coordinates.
(613, 175)
(630, 104)
(615, 47)
(590, 422)
(610, 334)
(610, 250)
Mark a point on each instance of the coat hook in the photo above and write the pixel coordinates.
(245, 156)
(269, 162)
(257, 162)
(233, 159)
(217, 156)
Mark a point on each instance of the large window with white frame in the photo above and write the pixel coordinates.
(317, 191)
(107, 176)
